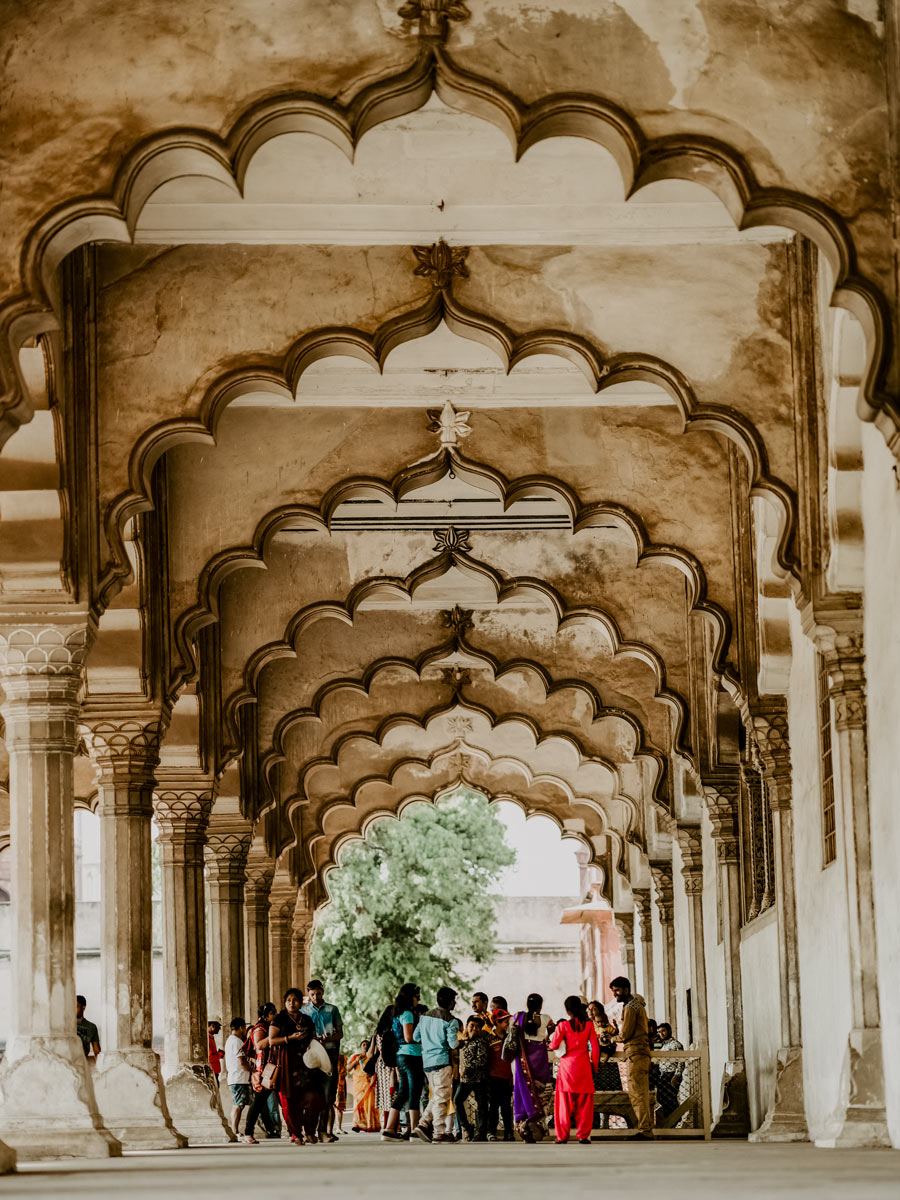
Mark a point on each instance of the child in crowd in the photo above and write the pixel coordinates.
(500, 1077)
(474, 1058)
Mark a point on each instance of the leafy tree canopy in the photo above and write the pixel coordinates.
(408, 903)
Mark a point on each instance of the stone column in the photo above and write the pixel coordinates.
(227, 847)
(183, 805)
(644, 904)
(865, 1120)
(722, 795)
(690, 843)
(49, 1109)
(665, 902)
(256, 934)
(281, 920)
(786, 1119)
(128, 1084)
(625, 926)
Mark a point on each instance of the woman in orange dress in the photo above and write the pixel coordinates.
(365, 1112)
(574, 1040)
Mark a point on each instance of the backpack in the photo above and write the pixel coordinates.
(390, 1043)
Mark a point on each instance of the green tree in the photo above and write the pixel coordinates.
(408, 903)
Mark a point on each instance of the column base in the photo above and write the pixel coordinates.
(786, 1119)
(131, 1096)
(49, 1109)
(193, 1102)
(864, 1122)
(7, 1159)
(734, 1120)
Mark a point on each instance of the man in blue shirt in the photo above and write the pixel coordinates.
(329, 1030)
(438, 1034)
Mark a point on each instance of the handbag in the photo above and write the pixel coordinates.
(370, 1066)
(269, 1078)
(509, 1051)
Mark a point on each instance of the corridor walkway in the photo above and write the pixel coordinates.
(369, 1169)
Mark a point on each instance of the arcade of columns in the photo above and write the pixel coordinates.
(349, 455)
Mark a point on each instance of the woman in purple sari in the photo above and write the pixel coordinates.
(532, 1073)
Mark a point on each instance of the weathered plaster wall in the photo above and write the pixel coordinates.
(821, 906)
(881, 516)
(762, 1011)
(714, 950)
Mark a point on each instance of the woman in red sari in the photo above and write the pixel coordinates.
(573, 1039)
(301, 1089)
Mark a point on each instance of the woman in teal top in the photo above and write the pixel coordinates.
(410, 1075)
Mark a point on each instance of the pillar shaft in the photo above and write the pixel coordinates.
(281, 918)
(865, 1121)
(182, 812)
(41, 673)
(129, 1083)
(625, 926)
(644, 904)
(691, 846)
(663, 883)
(722, 804)
(786, 1118)
(256, 937)
(227, 847)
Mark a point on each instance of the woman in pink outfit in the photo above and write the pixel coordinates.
(573, 1039)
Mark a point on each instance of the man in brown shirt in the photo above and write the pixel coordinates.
(635, 1039)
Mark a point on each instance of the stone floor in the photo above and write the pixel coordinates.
(361, 1167)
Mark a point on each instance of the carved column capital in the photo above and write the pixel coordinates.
(771, 740)
(625, 926)
(842, 647)
(644, 903)
(42, 672)
(228, 841)
(663, 881)
(182, 808)
(690, 843)
(125, 751)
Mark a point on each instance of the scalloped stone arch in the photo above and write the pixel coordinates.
(641, 160)
(508, 590)
(374, 348)
(584, 516)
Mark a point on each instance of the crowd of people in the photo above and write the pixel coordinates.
(426, 1074)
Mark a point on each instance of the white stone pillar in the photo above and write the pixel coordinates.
(722, 797)
(183, 805)
(664, 886)
(644, 902)
(49, 1108)
(786, 1119)
(625, 926)
(864, 1119)
(227, 847)
(128, 1084)
(690, 843)
(281, 919)
(257, 890)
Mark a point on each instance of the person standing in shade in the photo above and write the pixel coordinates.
(669, 1072)
(410, 1073)
(635, 1039)
(532, 1074)
(474, 1060)
(215, 1054)
(263, 1101)
(500, 1078)
(576, 1040)
(301, 1089)
(87, 1031)
(237, 1067)
(329, 1029)
(438, 1034)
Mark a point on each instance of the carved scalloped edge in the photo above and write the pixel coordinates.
(171, 153)
(310, 613)
(221, 565)
(400, 720)
(310, 839)
(644, 748)
(374, 348)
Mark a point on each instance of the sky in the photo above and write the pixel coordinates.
(545, 863)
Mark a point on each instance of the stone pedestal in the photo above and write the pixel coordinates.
(49, 1108)
(256, 935)
(182, 808)
(786, 1119)
(227, 846)
(129, 1084)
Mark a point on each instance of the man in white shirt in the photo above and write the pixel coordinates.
(237, 1066)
